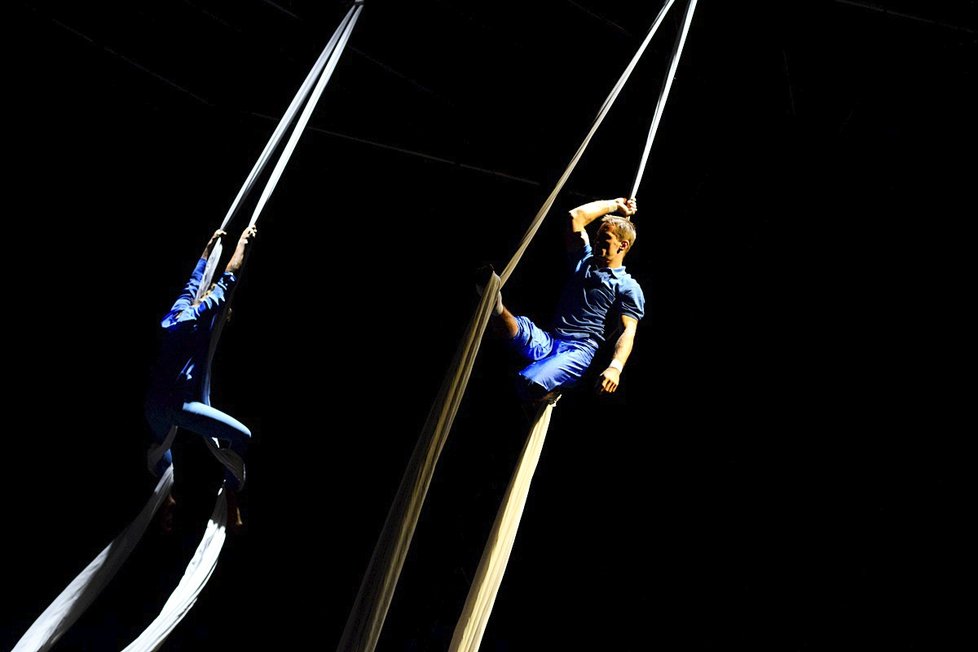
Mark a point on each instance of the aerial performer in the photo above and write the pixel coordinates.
(177, 394)
(600, 302)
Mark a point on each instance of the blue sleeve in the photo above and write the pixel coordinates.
(632, 301)
(577, 257)
(186, 297)
(217, 297)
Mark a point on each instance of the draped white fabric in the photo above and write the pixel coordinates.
(370, 607)
(81, 591)
(489, 575)
(369, 610)
(482, 593)
(198, 571)
(202, 565)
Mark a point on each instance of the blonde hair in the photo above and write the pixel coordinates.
(623, 228)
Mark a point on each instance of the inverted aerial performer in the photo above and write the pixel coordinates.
(599, 300)
(176, 396)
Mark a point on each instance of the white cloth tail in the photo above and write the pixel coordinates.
(489, 575)
(229, 459)
(370, 607)
(198, 572)
(366, 619)
(155, 453)
(79, 594)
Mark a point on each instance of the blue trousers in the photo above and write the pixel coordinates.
(555, 362)
(164, 412)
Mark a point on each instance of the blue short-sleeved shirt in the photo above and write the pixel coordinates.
(594, 298)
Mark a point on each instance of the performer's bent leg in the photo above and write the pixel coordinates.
(211, 422)
(159, 420)
(562, 368)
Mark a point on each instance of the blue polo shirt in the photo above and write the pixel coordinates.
(594, 298)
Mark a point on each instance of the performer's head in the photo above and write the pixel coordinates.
(616, 237)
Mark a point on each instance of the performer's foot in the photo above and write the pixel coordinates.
(482, 277)
(235, 522)
(551, 397)
(165, 518)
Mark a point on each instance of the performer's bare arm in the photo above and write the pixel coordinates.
(584, 214)
(609, 379)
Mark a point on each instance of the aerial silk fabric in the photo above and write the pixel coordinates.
(322, 70)
(664, 94)
(366, 619)
(489, 575)
(82, 591)
(205, 559)
(201, 566)
(485, 585)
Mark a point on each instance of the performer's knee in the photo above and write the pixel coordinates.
(529, 390)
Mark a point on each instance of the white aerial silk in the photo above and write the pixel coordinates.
(83, 590)
(485, 585)
(198, 571)
(322, 70)
(79, 594)
(372, 602)
(489, 575)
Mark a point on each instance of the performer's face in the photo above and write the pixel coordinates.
(608, 244)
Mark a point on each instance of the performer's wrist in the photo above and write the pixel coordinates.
(616, 364)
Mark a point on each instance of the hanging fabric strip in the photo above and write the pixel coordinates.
(81, 591)
(542, 213)
(482, 593)
(155, 453)
(204, 561)
(664, 94)
(373, 599)
(306, 113)
(276, 138)
(489, 575)
(341, 36)
(369, 610)
(195, 576)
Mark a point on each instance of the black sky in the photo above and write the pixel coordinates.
(781, 469)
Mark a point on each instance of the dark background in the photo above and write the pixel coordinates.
(781, 468)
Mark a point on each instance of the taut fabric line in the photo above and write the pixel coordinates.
(485, 585)
(664, 94)
(82, 591)
(602, 112)
(369, 611)
(275, 140)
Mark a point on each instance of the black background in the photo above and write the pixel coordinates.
(781, 468)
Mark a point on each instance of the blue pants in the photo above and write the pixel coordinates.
(556, 362)
(206, 421)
